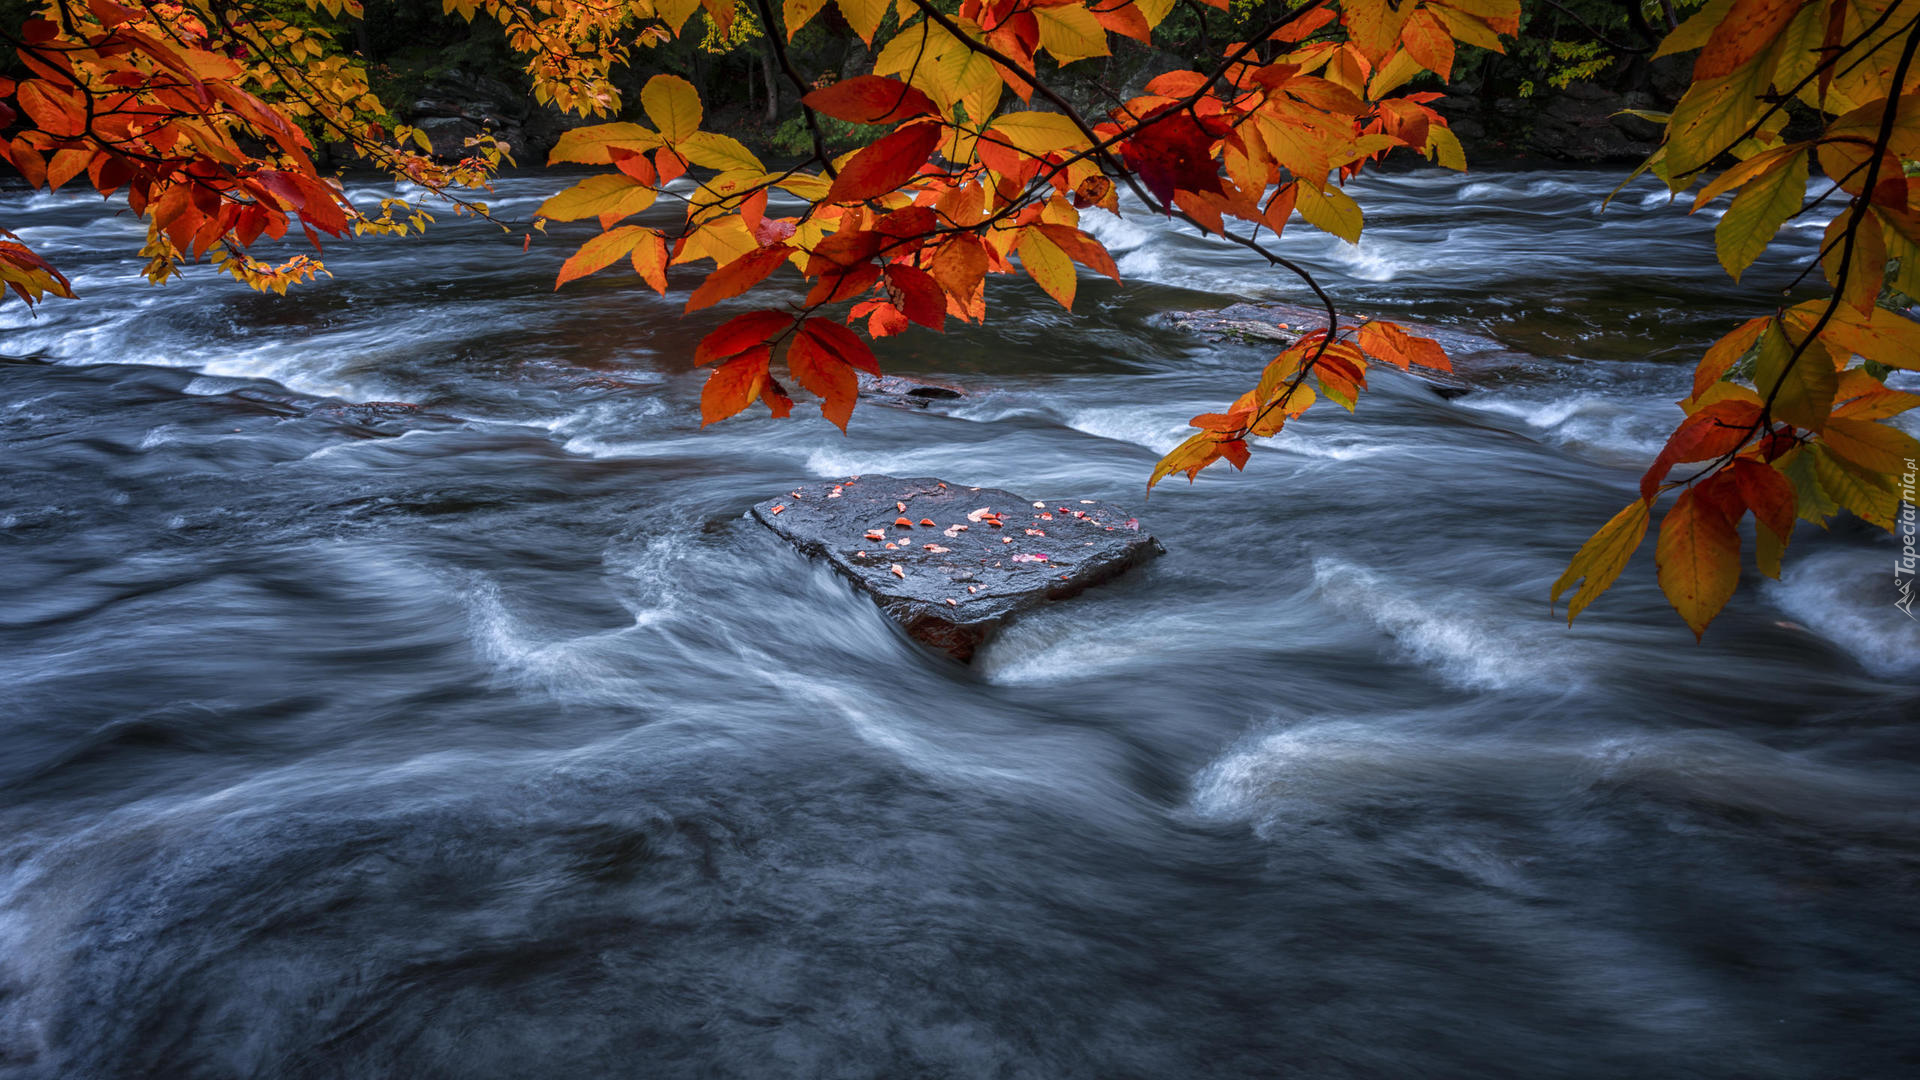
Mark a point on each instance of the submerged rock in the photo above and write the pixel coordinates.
(1282, 325)
(966, 560)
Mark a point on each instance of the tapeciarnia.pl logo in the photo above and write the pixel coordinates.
(1904, 563)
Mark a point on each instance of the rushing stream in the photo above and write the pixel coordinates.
(489, 738)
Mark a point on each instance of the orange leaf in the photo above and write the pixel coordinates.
(1429, 43)
(1748, 27)
(1724, 352)
(1698, 559)
(650, 261)
(959, 266)
(1082, 248)
(601, 252)
(883, 167)
(738, 276)
(734, 385)
(1382, 342)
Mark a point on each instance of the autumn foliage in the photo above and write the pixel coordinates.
(201, 115)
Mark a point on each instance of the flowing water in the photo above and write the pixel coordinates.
(487, 737)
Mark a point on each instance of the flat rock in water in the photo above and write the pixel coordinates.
(904, 393)
(967, 558)
(1474, 358)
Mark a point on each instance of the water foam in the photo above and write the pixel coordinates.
(1461, 638)
(1847, 597)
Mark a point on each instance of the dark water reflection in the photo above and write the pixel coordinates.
(487, 738)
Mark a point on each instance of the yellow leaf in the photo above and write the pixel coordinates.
(1799, 46)
(720, 152)
(1758, 212)
(1071, 32)
(799, 12)
(597, 196)
(1698, 560)
(1333, 211)
(1857, 269)
(1039, 133)
(1883, 336)
(1154, 11)
(1444, 149)
(1049, 266)
(1693, 33)
(1905, 276)
(1744, 172)
(1374, 26)
(722, 240)
(1803, 394)
(864, 16)
(1602, 557)
(1871, 446)
(673, 105)
(945, 68)
(806, 185)
(590, 145)
(1189, 457)
(675, 13)
(1859, 490)
(1713, 114)
(1468, 29)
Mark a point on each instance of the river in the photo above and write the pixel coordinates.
(490, 738)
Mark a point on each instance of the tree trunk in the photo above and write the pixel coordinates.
(773, 84)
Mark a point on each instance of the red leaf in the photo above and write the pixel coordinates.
(738, 276)
(1173, 154)
(886, 165)
(916, 293)
(870, 99)
(1768, 493)
(841, 342)
(825, 375)
(739, 334)
(1717, 429)
(836, 285)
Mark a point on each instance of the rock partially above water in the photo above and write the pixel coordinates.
(966, 560)
(1474, 358)
(904, 393)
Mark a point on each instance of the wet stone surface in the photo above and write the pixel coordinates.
(952, 563)
(1474, 357)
